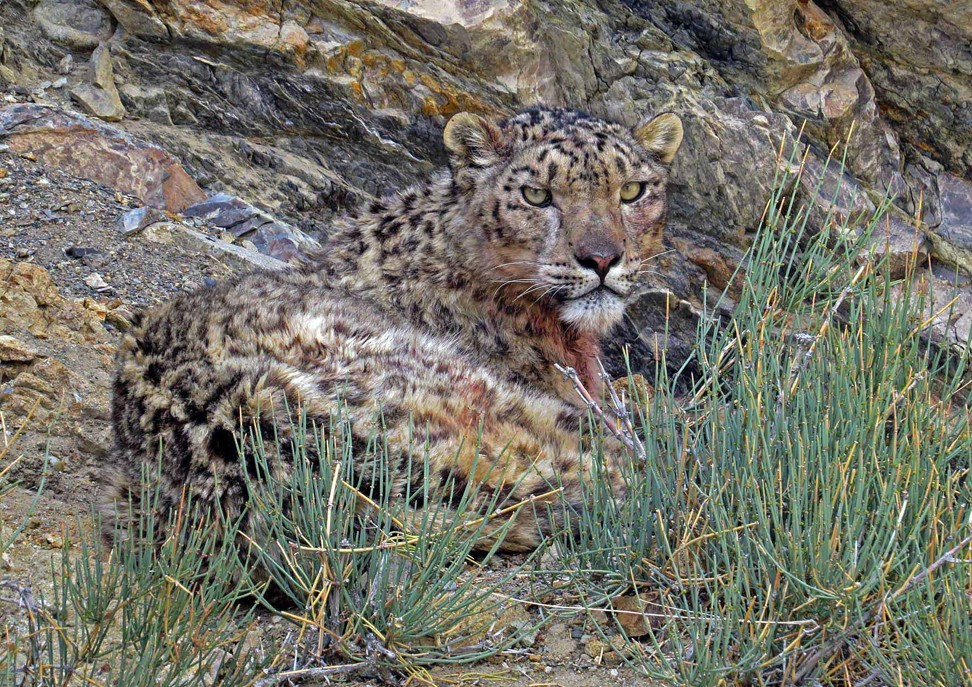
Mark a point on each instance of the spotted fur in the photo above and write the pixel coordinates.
(435, 316)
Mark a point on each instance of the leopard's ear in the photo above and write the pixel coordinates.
(661, 136)
(474, 140)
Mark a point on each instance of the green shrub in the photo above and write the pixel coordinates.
(141, 613)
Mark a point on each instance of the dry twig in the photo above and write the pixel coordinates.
(625, 431)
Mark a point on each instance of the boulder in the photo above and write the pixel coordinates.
(793, 56)
(12, 350)
(953, 236)
(55, 363)
(96, 151)
(78, 24)
(945, 295)
(245, 222)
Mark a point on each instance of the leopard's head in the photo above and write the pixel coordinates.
(563, 210)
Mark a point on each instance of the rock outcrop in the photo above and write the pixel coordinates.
(306, 107)
(55, 367)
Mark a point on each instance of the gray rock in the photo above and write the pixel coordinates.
(138, 17)
(136, 220)
(791, 55)
(253, 227)
(956, 204)
(659, 330)
(150, 103)
(905, 247)
(247, 257)
(79, 24)
(917, 55)
(946, 294)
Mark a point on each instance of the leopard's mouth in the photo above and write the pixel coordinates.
(596, 293)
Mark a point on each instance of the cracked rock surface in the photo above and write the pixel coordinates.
(264, 120)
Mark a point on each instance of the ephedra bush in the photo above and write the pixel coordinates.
(803, 516)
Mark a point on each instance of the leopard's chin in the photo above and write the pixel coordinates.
(597, 310)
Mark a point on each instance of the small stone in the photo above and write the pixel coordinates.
(637, 615)
(161, 232)
(51, 540)
(97, 282)
(527, 632)
(15, 351)
(78, 252)
(120, 318)
(602, 652)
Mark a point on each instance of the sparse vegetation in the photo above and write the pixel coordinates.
(802, 516)
(141, 613)
(366, 579)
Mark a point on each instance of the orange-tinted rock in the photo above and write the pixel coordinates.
(99, 152)
(30, 302)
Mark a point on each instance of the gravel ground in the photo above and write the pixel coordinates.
(70, 226)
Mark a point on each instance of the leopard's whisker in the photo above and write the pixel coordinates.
(509, 282)
(529, 290)
(656, 255)
(552, 289)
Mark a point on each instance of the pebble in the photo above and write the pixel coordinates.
(78, 252)
(97, 282)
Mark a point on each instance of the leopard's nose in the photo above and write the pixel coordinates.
(600, 261)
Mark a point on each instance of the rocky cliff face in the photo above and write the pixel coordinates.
(304, 107)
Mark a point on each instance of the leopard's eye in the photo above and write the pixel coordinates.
(632, 191)
(540, 197)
